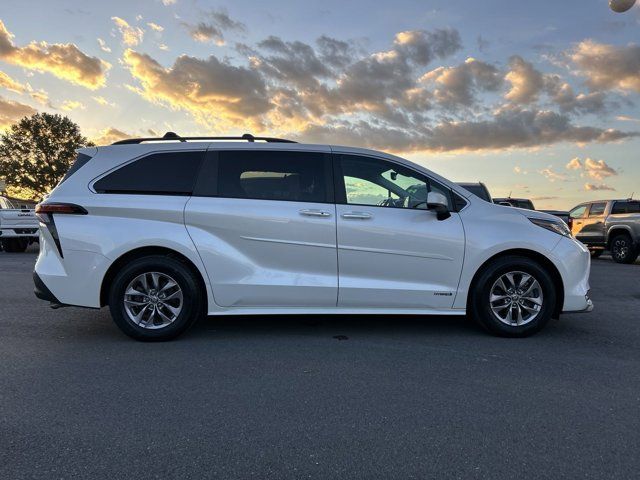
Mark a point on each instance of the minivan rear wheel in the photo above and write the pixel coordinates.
(513, 296)
(155, 298)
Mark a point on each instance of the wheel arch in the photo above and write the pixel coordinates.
(144, 252)
(616, 230)
(535, 256)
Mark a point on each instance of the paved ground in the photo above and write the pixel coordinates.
(277, 397)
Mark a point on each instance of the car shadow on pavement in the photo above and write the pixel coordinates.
(339, 327)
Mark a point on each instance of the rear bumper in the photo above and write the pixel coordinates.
(19, 232)
(41, 291)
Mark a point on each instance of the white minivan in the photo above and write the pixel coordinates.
(166, 230)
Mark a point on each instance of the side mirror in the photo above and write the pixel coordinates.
(438, 202)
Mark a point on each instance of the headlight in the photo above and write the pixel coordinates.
(554, 226)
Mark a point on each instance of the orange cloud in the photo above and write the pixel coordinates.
(131, 35)
(11, 112)
(64, 60)
(214, 91)
(110, 135)
(10, 84)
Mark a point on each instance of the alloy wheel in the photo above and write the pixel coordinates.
(620, 248)
(516, 298)
(153, 300)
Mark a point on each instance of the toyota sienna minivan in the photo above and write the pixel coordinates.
(167, 230)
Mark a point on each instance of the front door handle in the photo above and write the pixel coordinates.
(314, 213)
(357, 215)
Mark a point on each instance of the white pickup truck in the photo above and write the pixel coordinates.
(18, 226)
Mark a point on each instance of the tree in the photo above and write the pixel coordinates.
(36, 152)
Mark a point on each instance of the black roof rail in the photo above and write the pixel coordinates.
(173, 136)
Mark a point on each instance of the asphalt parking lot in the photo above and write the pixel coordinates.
(316, 397)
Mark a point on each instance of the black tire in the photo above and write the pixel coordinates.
(595, 253)
(479, 296)
(622, 249)
(192, 307)
(15, 245)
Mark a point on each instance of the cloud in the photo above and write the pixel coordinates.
(63, 60)
(211, 89)
(598, 169)
(205, 32)
(552, 175)
(562, 94)
(212, 29)
(330, 91)
(103, 45)
(41, 97)
(155, 27)
(164, 47)
(166, 3)
(456, 86)
(110, 135)
(574, 164)
(69, 105)
(103, 101)
(10, 84)
(507, 129)
(627, 118)
(597, 187)
(608, 67)
(526, 82)
(11, 112)
(131, 36)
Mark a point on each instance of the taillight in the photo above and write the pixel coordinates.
(45, 212)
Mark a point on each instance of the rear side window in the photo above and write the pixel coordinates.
(625, 207)
(273, 175)
(597, 209)
(170, 173)
(80, 161)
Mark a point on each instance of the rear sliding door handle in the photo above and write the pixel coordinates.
(314, 213)
(357, 215)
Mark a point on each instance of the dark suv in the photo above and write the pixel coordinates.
(608, 225)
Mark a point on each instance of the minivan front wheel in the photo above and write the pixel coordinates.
(514, 296)
(155, 298)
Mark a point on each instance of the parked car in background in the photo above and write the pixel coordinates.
(167, 230)
(18, 226)
(562, 214)
(608, 225)
(479, 189)
(515, 202)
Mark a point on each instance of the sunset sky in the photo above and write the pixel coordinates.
(538, 98)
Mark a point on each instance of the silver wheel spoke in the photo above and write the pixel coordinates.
(133, 302)
(167, 286)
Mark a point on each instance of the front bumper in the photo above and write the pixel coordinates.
(574, 264)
